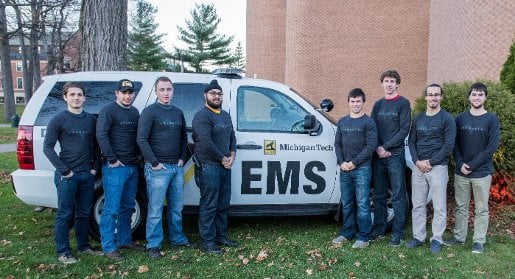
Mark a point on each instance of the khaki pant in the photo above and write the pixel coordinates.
(480, 187)
(434, 182)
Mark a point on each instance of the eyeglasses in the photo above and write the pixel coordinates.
(433, 95)
(213, 93)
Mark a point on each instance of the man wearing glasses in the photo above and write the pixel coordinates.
(215, 150)
(431, 140)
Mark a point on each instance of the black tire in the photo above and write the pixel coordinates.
(139, 217)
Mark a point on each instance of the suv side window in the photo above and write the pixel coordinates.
(98, 94)
(189, 97)
(264, 109)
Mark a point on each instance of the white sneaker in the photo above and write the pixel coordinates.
(67, 258)
(339, 239)
(360, 244)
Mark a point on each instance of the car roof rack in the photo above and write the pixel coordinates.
(231, 73)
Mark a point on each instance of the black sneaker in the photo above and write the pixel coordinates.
(375, 235)
(132, 246)
(227, 242)
(211, 248)
(396, 241)
(435, 247)
(184, 245)
(154, 253)
(477, 248)
(451, 242)
(91, 252)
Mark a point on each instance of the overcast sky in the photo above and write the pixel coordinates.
(171, 13)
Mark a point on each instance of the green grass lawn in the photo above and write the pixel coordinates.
(285, 247)
(8, 135)
(19, 111)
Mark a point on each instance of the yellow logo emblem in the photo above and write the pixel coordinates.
(270, 147)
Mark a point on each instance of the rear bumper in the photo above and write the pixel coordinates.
(35, 187)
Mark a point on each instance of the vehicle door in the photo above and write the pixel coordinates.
(278, 161)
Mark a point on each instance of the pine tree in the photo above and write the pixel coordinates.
(239, 58)
(508, 70)
(204, 46)
(145, 52)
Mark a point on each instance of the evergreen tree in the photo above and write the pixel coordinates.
(508, 70)
(145, 52)
(204, 45)
(239, 58)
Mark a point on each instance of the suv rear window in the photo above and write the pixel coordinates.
(98, 94)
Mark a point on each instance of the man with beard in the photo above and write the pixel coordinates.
(431, 140)
(477, 140)
(117, 126)
(215, 150)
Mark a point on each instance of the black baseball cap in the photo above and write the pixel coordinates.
(125, 85)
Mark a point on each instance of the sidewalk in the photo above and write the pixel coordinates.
(9, 147)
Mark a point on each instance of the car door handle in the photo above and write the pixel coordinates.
(249, 146)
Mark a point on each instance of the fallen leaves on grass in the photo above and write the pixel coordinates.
(263, 255)
(143, 269)
(5, 242)
(309, 272)
(315, 253)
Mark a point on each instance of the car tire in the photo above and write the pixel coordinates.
(138, 218)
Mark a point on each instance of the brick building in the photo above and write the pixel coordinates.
(325, 48)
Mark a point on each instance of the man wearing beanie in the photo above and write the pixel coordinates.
(215, 150)
(163, 141)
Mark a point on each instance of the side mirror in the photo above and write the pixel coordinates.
(312, 125)
(310, 122)
(326, 105)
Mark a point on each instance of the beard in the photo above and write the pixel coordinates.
(212, 104)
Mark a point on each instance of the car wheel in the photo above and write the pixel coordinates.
(138, 219)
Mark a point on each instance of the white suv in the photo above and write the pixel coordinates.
(285, 164)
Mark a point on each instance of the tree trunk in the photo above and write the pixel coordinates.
(27, 76)
(5, 56)
(34, 44)
(103, 26)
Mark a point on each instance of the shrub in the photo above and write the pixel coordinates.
(501, 102)
(508, 70)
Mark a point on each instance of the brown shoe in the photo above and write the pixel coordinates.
(114, 255)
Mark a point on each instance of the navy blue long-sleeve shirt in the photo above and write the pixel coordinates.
(117, 128)
(432, 137)
(393, 119)
(476, 141)
(162, 134)
(76, 136)
(213, 135)
(355, 140)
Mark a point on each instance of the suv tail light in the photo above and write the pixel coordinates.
(25, 148)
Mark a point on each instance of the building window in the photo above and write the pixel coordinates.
(18, 67)
(20, 100)
(19, 83)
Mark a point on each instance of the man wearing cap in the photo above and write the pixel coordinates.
(163, 141)
(215, 150)
(117, 126)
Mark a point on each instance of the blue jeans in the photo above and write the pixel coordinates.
(355, 190)
(74, 198)
(165, 183)
(120, 187)
(215, 199)
(389, 173)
